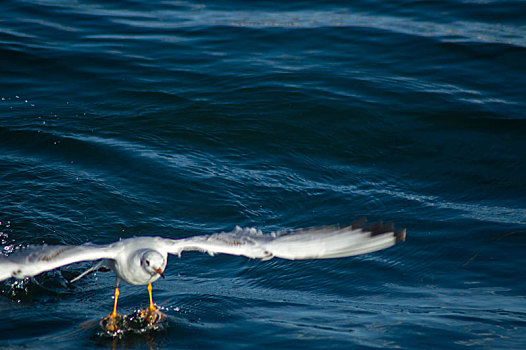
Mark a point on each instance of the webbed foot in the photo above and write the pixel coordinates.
(112, 322)
(152, 315)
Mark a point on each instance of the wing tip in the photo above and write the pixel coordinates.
(400, 235)
(379, 228)
(358, 223)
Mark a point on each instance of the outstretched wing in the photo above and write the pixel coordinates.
(36, 259)
(315, 243)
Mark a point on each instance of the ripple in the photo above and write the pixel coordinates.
(182, 118)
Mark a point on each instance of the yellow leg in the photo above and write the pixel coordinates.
(114, 313)
(110, 322)
(152, 307)
(152, 314)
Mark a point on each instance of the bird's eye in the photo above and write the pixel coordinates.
(148, 262)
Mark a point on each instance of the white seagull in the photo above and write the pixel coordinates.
(142, 260)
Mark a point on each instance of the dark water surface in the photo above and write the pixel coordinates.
(178, 118)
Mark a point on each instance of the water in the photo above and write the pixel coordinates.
(178, 118)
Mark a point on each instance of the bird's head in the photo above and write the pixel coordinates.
(153, 262)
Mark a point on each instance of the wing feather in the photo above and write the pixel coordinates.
(34, 260)
(316, 243)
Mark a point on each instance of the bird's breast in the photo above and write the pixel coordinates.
(132, 272)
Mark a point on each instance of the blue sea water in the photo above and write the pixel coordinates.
(179, 118)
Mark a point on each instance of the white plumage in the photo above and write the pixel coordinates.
(142, 260)
(126, 257)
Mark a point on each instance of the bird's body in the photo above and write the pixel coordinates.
(127, 264)
(142, 260)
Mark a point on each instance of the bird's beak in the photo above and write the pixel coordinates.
(160, 272)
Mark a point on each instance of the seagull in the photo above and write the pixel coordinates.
(142, 260)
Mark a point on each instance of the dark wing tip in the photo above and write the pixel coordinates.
(358, 223)
(400, 235)
(379, 228)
